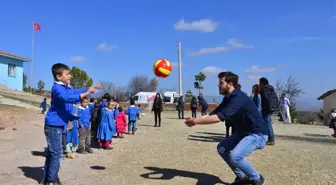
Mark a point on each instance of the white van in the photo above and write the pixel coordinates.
(144, 97)
(170, 97)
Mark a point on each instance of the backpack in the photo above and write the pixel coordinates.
(95, 117)
(274, 102)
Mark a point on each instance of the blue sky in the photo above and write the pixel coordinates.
(114, 40)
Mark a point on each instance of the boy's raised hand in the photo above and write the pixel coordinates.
(98, 86)
(91, 90)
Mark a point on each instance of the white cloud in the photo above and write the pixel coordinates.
(203, 25)
(77, 59)
(175, 64)
(251, 77)
(231, 44)
(257, 69)
(212, 70)
(104, 46)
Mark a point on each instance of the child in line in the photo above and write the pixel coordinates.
(106, 128)
(121, 123)
(72, 136)
(43, 105)
(91, 104)
(84, 116)
(140, 111)
(132, 113)
(57, 119)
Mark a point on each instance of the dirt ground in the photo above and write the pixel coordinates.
(172, 154)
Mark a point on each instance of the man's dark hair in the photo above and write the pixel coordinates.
(264, 81)
(57, 69)
(92, 100)
(238, 86)
(229, 77)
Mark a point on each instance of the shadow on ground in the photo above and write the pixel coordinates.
(98, 167)
(38, 153)
(313, 138)
(168, 174)
(35, 173)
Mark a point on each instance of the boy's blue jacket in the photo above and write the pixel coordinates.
(132, 112)
(84, 115)
(43, 104)
(62, 98)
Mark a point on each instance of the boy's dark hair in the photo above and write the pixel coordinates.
(132, 102)
(83, 99)
(45, 99)
(229, 77)
(264, 81)
(57, 69)
(92, 100)
(120, 109)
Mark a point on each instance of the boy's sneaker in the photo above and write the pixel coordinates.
(261, 181)
(90, 151)
(241, 181)
(56, 182)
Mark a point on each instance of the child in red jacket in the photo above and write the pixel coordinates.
(121, 123)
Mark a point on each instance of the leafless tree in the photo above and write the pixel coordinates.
(140, 83)
(153, 83)
(290, 87)
(108, 87)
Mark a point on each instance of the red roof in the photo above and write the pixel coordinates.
(6, 54)
(326, 94)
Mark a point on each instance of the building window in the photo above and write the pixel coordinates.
(11, 70)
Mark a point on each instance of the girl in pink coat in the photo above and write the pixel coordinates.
(121, 123)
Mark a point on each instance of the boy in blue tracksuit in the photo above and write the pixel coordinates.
(132, 112)
(57, 118)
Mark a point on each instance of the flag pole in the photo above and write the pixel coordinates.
(32, 62)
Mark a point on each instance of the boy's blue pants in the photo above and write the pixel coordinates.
(54, 152)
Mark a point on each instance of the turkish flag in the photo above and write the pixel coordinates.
(37, 27)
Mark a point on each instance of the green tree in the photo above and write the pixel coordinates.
(199, 79)
(40, 85)
(80, 78)
(189, 96)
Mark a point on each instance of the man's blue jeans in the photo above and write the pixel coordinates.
(131, 126)
(54, 152)
(235, 148)
(268, 119)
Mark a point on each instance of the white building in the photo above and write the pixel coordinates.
(329, 102)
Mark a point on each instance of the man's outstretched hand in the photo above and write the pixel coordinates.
(190, 122)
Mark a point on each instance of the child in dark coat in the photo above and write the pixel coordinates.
(332, 124)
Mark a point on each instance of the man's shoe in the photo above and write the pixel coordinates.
(261, 181)
(241, 181)
(270, 143)
(43, 182)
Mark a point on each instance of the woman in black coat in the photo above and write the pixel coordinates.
(180, 107)
(157, 108)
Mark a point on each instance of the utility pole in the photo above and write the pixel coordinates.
(179, 67)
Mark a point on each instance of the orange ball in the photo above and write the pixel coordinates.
(162, 68)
